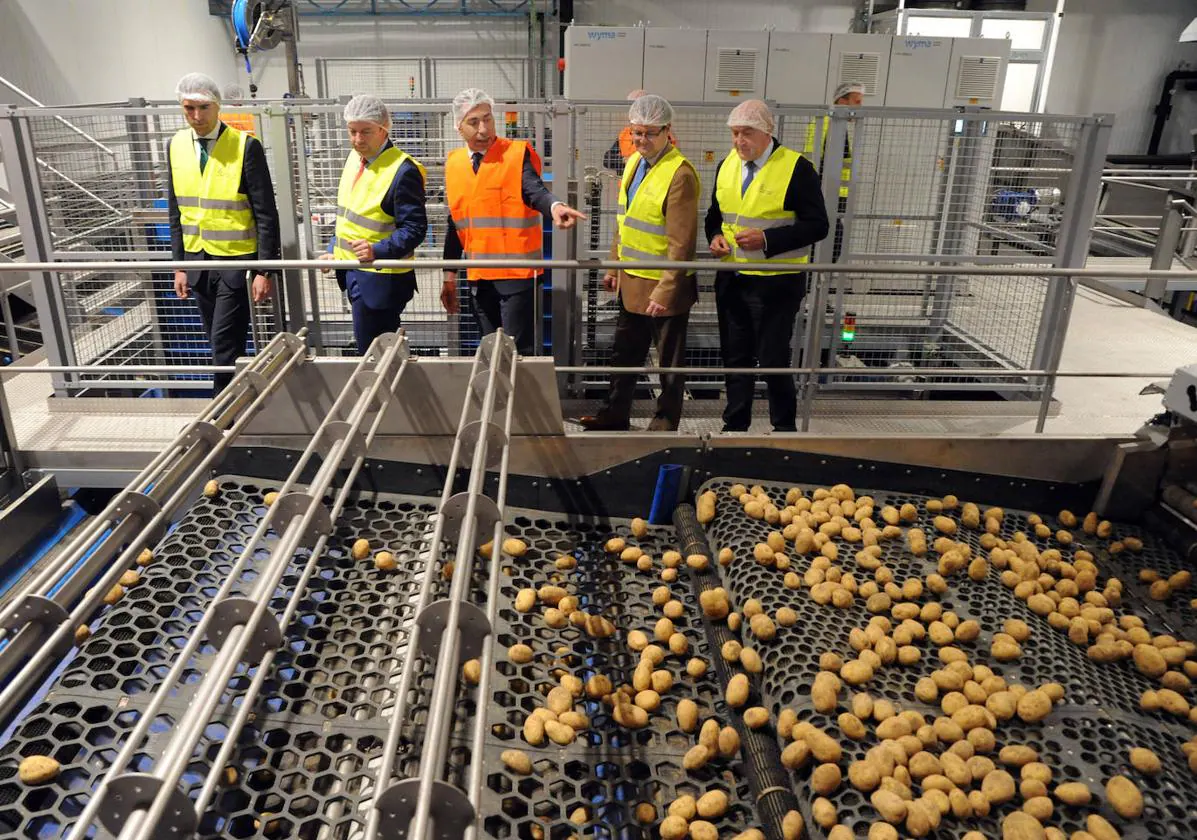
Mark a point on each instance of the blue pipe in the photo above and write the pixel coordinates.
(73, 515)
(669, 485)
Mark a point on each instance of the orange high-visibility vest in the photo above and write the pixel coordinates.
(627, 146)
(488, 208)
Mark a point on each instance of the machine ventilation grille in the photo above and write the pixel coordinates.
(861, 68)
(978, 77)
(737, 70)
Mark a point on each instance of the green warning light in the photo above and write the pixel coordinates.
(848, 328)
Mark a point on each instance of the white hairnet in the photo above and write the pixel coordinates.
(847, 88)
(751, 113)
(233, 91)
(650, 109)
(636, 94)
(197, 86)
(367, 108)
(467, 100)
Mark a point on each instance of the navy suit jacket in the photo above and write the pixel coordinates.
(405, 201)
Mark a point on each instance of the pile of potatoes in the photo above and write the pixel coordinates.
(944, 757)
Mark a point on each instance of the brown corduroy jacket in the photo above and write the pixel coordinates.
(677, 290)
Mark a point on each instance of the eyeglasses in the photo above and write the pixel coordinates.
(638, 134)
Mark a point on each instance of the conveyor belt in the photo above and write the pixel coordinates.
(1087, 738)
(307, 761)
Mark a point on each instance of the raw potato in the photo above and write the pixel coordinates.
(823, 812)
(889, 805)
(756, 717)
(519, 654)
(1145, 761)
(384, 561)
(737, 691)
(130, 578)
(82, 634)
(361, 549)
(639, 528)
(729, 742)
(525, 600)
(1124, 797)
(516, 761)
(703, 830)
(673, 828)
(791, 826)
(1100, 828)
(212, 489)
(1019, 825)
(1074, 793)
(114, 594)
(38, 769)
(712, 804)
(145, 558)
(1034, 706)
(687, 715)
(697, 756)
(472, 671)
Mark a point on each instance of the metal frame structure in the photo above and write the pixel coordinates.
(931, 175)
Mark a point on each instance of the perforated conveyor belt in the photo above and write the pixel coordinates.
(305, 765)
(1087, 738)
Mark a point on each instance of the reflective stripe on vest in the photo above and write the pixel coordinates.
(642, 226)
(359, 203)
(214, 215)
(488, 208)
(761, 207)
(809, 151)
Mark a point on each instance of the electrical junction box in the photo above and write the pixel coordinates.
(665, 52)
(603, 62)
(797, 68)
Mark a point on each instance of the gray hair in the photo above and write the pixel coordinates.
(467, 100)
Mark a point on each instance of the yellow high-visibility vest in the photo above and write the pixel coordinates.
(761, 207)
(642, 225)
(809, 150)
(215, 215)
(359, 205)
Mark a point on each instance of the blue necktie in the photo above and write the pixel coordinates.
(641, 171)
(750, 167)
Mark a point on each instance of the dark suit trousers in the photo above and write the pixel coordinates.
(508, 304)
(756, 323)
(633, 335)
(223, 301)
(370, 322)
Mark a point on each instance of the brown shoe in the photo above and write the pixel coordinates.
(660, 424)
(603, 423)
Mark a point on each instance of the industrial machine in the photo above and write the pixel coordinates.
(331, 606)
(797, 68)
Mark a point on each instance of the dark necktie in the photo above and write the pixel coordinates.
(750, 168)
(476, 157)
(203, 141)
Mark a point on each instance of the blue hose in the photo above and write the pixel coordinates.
(241, 28)
(669, 483)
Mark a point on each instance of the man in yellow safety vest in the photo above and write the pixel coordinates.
(380, 216)
(847, 95)
(657, 220)
(767, 207)
(221, 207)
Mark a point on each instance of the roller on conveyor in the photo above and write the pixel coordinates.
(270, 674)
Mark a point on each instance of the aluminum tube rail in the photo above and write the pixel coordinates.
(895, 269)
(139, 787)
(992, 373)
(477, 742)
(240, 636)
(464, 617)
(58, 639)
(462, 519)
(141, 500)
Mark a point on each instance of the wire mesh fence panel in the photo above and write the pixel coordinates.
(960, 189)
(386, 77)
